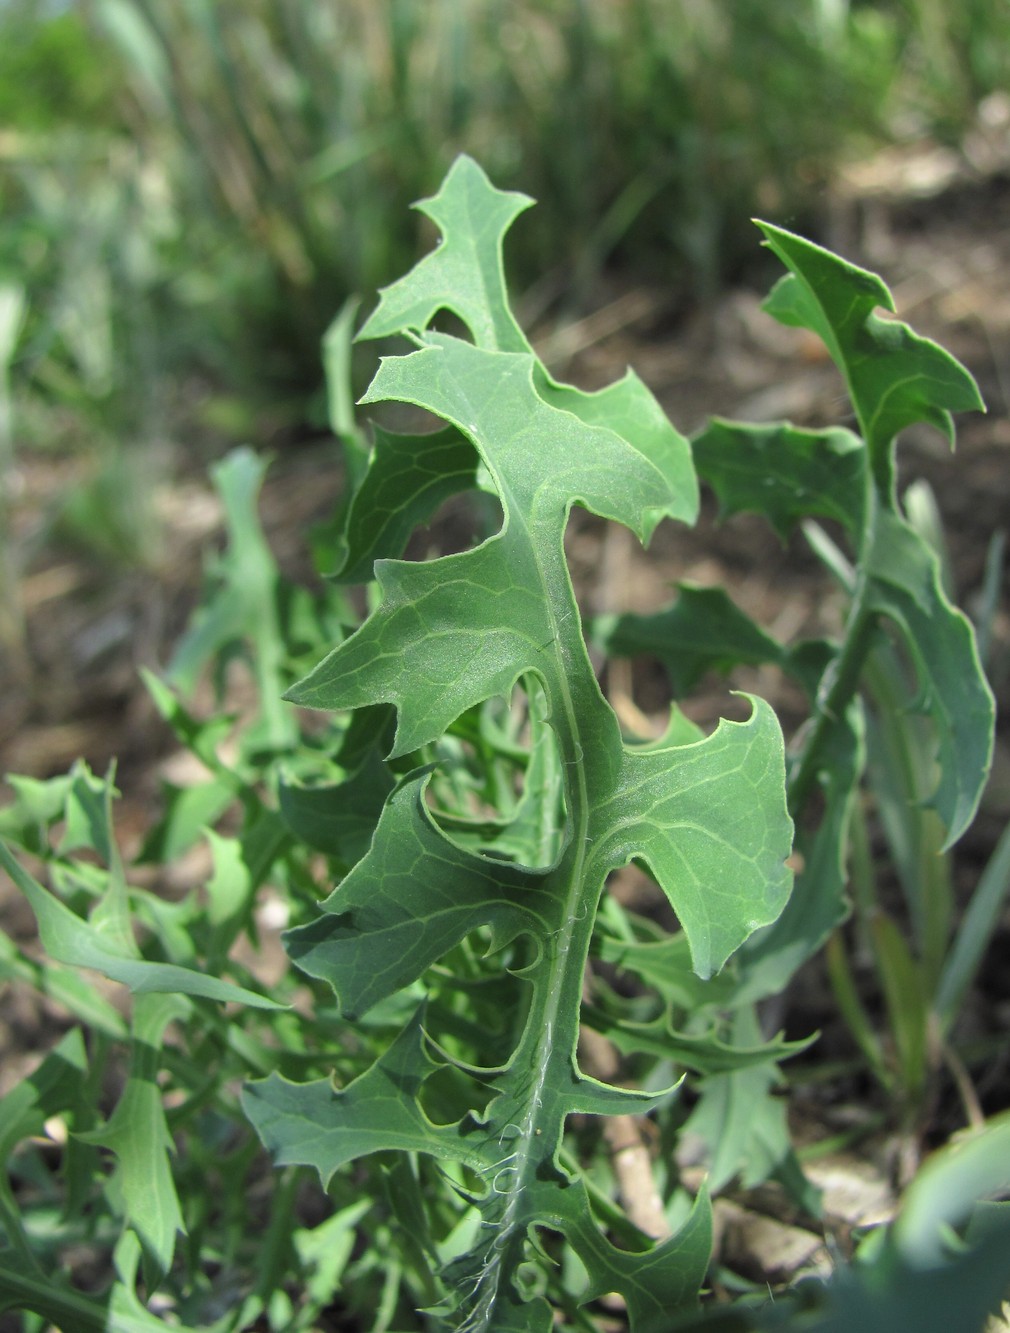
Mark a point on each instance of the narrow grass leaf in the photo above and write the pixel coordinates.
(904, 994)
(975, 933)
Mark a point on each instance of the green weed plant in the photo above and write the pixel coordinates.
(422, 1077)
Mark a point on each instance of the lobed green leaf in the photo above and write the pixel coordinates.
(707, 814)
(464, 274)
(784, 473)
(895, 377)
(408, 901)
(408, 477)
(702, 631)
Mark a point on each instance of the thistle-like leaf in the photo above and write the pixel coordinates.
(702, 631)
(413, 896)
(465, 273)
(783, 473)
(707, 814)
(895, 377)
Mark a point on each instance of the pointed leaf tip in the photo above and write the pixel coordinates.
(895, 378)
(465, 273)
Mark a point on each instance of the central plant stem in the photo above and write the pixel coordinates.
(546, 1051)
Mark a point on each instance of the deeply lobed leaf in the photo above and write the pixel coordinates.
(706, 813)
(895, 377)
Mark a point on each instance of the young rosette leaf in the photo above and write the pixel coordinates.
(707, 814)
(895, 379)
(137, 1134)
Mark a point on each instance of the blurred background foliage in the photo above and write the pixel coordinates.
(190, 191)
